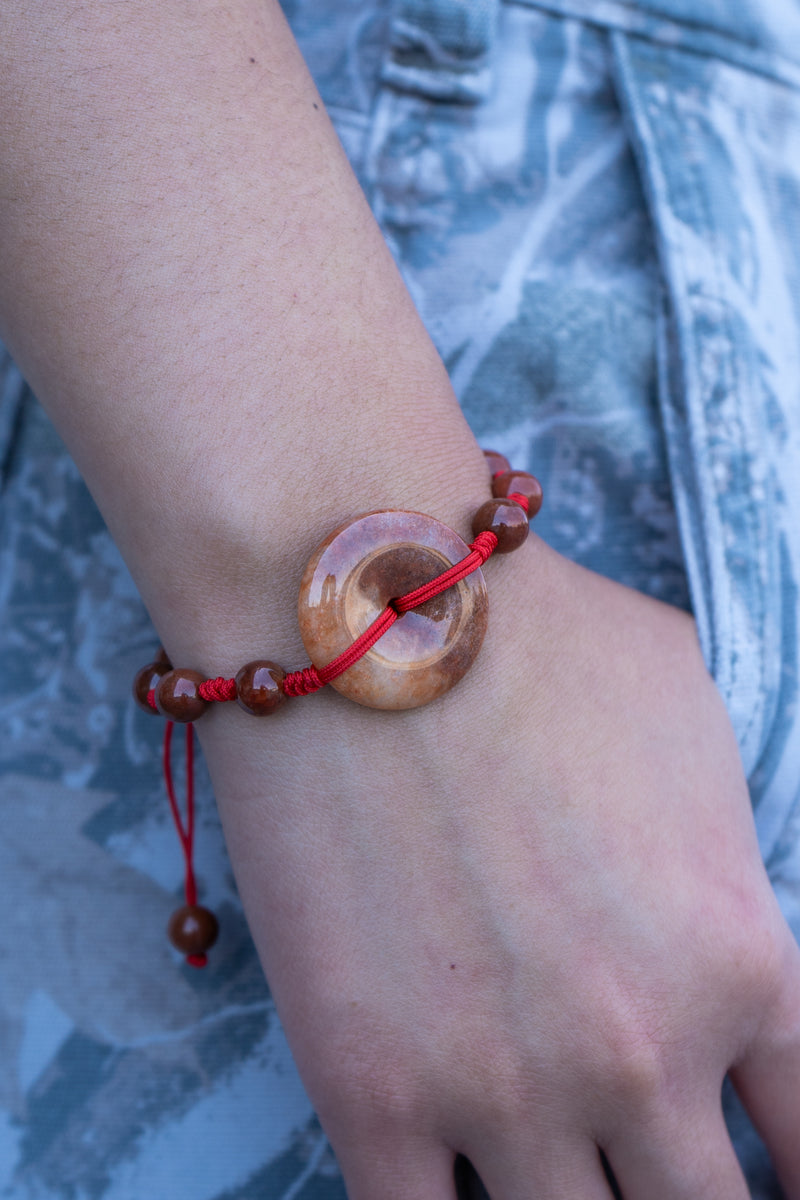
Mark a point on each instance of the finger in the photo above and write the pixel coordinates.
(468, 1183)
(679, 1162)
(768, 1078)
(423, 1170)
(537, 1169)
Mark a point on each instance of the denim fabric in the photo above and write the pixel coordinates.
(763, 37)
(594, 205)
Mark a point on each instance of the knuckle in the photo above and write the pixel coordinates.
(376, 1082)
(504, 1087)
(635, 1050)
(641, 1071)
(752, 953)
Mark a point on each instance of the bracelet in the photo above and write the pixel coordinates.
(364, 577)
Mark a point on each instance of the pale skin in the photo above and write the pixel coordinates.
(525, 922)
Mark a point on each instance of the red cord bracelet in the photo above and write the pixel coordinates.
(401, 579)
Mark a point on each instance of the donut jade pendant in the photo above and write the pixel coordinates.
(349, 581)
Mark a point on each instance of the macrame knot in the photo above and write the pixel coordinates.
(302, 683)
(218, 689)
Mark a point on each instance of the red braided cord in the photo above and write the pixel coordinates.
(218, 689)
(311, 679)
(360, 646)
(480, 550)
(521, 500)
(302, 683)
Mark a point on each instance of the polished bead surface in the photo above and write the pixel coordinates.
(177, 695)
(496, 462)
(193, 929)
(146, 680)
(506, 519)
(258, 689)
(522, 483)
(349, 581)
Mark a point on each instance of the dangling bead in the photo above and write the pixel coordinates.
(193, 929)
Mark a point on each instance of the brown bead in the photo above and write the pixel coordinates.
(145, 681)
(177, 695)
(258, 689)
(496, 462)
(348, 583)
(506, 519)
(163, 657)
(193, 929)
(524, 484)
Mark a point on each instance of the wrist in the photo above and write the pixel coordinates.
(224, 589)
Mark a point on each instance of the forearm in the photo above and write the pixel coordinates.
(194, 285)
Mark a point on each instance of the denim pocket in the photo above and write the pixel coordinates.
(442, 49)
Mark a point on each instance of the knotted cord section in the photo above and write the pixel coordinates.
(218, 689)
(302, 683)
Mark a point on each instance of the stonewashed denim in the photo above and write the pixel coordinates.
(595, 205)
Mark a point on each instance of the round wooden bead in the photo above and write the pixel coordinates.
(193, 929)
(258, 687)
(506, 519)
(349, 581)
(496, 462)
(522, 483)
(146, 680)
(177, 695)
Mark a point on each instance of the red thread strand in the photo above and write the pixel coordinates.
(521, 500)
(185, 832)
(191, 884)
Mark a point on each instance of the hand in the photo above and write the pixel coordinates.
(528, 921)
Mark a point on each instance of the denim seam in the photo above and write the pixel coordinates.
(676, 34)
(675, 254)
